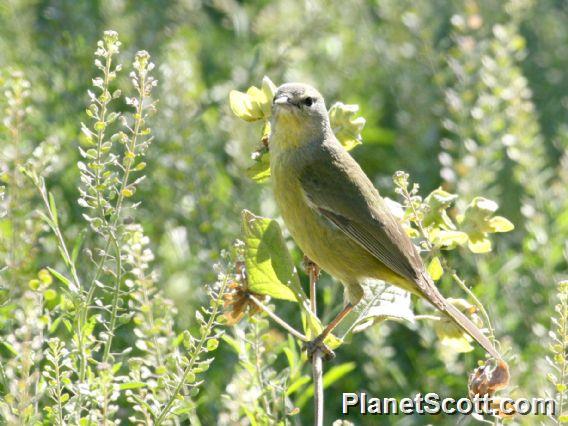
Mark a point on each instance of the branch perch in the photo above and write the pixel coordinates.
(317, 374)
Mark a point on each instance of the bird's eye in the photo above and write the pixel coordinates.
(308, 101)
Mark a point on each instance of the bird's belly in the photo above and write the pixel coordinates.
(321, 241)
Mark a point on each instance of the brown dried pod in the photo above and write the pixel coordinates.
(488, 378)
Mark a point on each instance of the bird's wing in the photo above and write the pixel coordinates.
(339, 190)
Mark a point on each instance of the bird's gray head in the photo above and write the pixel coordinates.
(299, 113)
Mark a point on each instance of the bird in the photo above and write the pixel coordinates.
(335, 214)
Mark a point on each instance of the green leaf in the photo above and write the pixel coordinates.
(53, 208)
(260, 170)
(455, 343)
(10, 348)
(233, 343)
(346, 127)
(269, 89)
(45, 277)
(60, 277)
(451, 336)
(380, 302)
(34, 284)
(212, 344)
(77, 246)
(269, 266)
(477, 222)
(255, 104)
(447, 239)
(132, 385)
(500, 224)
(127, 192)
(4, 295)
(297, 384)
(479, 243)
(337, 372)
(438, 201)
(435, 269)
(242, 106)
(271, 272)
(50, 294)
(334, 374)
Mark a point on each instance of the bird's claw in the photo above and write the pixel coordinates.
(318, 345)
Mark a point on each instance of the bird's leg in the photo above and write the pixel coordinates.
(313, 271)
(318, 344)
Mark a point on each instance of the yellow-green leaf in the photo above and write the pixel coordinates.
(346, 127)
(450, 334)
(255, 104)
(478, 243)
(268, 88)
(452, 337)
(260, 170)
(270, 270)
(380, 302)
(260, 105)
(435, 269)
(242, 106)
(45, 277)
(500, 224)
(334, 374)
(447, 239)
(269, 266)
(457, 344)
(50, 294)
(438, 201)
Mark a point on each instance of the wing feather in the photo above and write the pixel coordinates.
(339, 190)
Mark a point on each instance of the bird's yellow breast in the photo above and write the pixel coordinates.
(320, 240)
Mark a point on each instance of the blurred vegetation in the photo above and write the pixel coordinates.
(469, 95)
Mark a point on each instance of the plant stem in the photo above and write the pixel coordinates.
(198, 349)
(313, 274)
(478, 304)
(418, 222)
(115, 239)
(258, 369)
(427, 317)
(278, 320)
(115, 298)
(317, 375)
(317, 357)
(563, 316)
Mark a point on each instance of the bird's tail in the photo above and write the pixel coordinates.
(430, 291)
(468, 326)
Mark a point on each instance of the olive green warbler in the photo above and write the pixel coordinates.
(335, 214)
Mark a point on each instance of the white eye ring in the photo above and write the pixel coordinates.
(309, 101)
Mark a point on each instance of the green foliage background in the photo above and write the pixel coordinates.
(470, 95)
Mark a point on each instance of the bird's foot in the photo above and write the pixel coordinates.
(318, 345)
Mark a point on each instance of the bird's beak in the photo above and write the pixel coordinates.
(282, 100)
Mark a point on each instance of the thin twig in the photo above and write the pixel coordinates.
(278, 320)
(205, 333)
(313, 274)
(478, 304)
(317, 357)
(317, 374)
(427, 317)
(313, 305)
